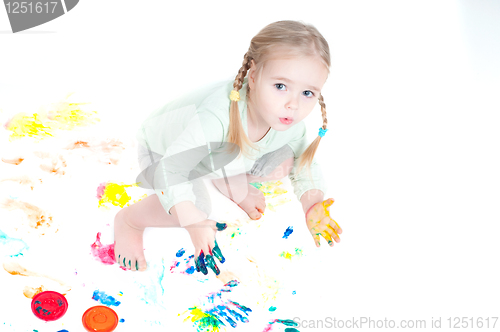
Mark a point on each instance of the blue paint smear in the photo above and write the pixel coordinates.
(122, 320)
(10, 246)
(288, 231)
(294, 292)
(190, 270)
(180, 252)
(105, 299)
(63, 331)
(151, 292)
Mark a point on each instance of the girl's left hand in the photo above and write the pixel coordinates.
(319, 223)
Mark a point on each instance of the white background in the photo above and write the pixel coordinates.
(411, 155)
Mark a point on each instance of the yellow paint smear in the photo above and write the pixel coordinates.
(115, 193)
(197, 315)
(60, 116)
(287, 255)
(271, 189)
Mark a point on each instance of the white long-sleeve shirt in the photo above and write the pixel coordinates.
(182, 130)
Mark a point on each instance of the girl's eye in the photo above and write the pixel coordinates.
(277, 84)
(311, 95)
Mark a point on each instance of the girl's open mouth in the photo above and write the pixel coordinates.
(286, 121)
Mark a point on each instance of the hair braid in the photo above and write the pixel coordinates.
(307, 156)
(236, 133)
(323, 110)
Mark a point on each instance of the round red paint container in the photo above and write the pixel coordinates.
(100, 319)
(49, 305)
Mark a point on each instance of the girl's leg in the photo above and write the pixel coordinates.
(130, 223)
(249, 198)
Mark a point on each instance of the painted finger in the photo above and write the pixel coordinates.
(333, 232)
(200, 263)
(327, 237)
(221, 226)
(315, 236)
(211, 264)
(337, 227)
(217, 253)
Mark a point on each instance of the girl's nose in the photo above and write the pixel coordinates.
(293, 103)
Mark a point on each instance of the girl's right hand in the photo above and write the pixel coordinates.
(205, 247)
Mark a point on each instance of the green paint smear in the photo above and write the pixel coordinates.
(256, 184)
(291, 329)
(203, 320)
(287, 322)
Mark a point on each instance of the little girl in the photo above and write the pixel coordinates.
(235, 132)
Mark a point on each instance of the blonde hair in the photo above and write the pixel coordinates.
(279, 39)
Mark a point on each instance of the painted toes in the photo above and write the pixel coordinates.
(255, 215)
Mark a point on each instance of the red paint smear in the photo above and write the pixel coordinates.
(104, 253)
(269, 326)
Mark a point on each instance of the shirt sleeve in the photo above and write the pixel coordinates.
(301, 181)
(171, 180)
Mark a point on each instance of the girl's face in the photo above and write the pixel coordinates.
(286, 91)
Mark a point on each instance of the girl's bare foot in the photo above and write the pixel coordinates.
(129, 251)
(254, 203)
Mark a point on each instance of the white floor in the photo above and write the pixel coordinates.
(411, 159)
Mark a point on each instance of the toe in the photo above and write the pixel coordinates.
(142, 265)
(255, 215)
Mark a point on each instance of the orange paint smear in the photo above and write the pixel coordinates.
(30, 292)
(55, 166)
(109, 150)
(227, 276)
(16, 269)
(24, 180)
(15, 161)
(38, 219)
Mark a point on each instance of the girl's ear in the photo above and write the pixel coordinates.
(251, 74)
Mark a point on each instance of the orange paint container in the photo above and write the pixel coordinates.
(100, 319)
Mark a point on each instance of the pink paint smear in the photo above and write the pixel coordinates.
(104, 253)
